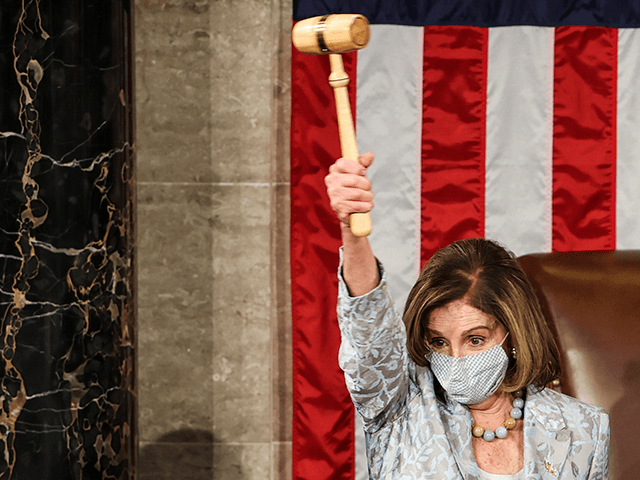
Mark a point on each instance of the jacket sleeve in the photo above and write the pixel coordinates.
(373, 352)
(600, 463)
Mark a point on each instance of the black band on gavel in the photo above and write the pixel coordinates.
(320, 34)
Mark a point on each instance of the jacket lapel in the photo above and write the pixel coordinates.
(457, 423)
(546, 438)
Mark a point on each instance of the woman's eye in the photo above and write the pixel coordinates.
(476, 341)
(437, 342)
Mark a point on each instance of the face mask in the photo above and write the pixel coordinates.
(473, 378)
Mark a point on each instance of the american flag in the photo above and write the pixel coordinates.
(512, 120)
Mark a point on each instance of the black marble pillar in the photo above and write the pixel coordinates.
(67, 285)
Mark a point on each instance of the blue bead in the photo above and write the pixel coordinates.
(489, 435)
(501, 432)
(516, 413)
(518, 402)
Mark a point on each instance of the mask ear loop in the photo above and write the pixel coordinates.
(505, 337)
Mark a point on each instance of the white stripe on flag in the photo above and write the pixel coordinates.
(389, 123)
(362, 467)
(628, 141)
(519, 79)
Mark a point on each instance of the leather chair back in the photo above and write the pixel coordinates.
(592, 302)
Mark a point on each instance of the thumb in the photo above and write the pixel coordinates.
(366, 159)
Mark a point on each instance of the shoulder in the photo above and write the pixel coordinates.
(549, 404)
(568, 403)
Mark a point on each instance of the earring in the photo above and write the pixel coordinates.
(513, 352)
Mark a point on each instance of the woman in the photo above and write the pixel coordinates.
(457, 390)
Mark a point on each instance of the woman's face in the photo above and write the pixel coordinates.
(458, 330)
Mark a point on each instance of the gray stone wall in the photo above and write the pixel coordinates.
(214, 363)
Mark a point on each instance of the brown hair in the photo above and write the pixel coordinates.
(491, 279)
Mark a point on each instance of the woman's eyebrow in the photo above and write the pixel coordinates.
(434, 333)
(478, 327)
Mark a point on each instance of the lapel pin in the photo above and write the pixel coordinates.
(550, 468)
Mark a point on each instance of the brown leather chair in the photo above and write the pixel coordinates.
(592, 301)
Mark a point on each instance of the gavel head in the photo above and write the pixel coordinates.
(331, 34)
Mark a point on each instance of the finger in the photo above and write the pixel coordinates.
(346, 208)
(366, 159)
(346, 194)
(343, 200)
(347, 180)
(344, 165)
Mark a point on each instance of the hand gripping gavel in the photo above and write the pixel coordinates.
(336, 34)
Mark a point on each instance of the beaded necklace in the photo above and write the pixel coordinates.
(509, 424)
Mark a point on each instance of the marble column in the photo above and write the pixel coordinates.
(67, 285)
(212, 83)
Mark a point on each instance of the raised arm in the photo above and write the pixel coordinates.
(349, 192)
(373, 349)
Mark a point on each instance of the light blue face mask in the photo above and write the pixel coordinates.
(473, 378)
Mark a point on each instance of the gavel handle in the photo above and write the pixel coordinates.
(360, 223)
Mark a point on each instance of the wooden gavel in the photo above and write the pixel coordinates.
(334, 35)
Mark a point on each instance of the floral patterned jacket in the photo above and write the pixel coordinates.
(410, 434)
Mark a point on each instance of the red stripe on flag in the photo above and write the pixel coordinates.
(453, 137)
(584, 138)
(323, 415)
